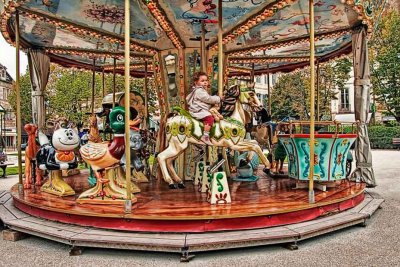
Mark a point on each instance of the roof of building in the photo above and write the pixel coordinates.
(8, 78)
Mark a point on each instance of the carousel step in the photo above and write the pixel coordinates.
(80, 236)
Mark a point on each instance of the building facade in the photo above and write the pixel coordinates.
(8, 123)
(344, 104)
(261, 87)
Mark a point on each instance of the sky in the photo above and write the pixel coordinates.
(7, 58)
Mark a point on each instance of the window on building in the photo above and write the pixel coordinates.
(5, 93)
(258, 79)
(273, 80)
(344, 100)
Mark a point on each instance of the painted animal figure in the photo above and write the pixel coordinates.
(94, 134)
(56, 157)
(136, 144)
(104, 159)
(30, 156)
(102, 155)
(229, 132)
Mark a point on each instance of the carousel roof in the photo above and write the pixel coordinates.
(264, 32)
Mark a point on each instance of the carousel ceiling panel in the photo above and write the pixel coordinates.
(322, 47)
(293, 21)
(249, 25)
(106, 16)
(186, 15)
(257, 66)
(88, 60)
(101, 63)
(39, 33)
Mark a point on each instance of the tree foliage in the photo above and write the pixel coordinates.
(69, 91)
(385, 63)
(333, 78)
(26, 99)
(291, 94)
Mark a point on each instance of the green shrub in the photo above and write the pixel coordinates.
(12, 170)
(382, 136)
(346, 129)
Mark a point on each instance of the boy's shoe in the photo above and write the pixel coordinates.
(206, 140)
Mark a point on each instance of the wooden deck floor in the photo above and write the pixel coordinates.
(156, 202)
(184, 243)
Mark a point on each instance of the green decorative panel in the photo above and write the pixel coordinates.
(329, 157)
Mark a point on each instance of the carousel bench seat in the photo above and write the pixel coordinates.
(396, 142)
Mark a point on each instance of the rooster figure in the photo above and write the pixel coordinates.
(104, 158)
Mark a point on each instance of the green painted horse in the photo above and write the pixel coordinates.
(230, 132)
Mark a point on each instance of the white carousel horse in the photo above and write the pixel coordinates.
(229, 132)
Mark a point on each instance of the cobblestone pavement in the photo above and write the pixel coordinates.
(374, 245)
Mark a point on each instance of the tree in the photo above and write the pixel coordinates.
(291, 95)
(26, 98)
(333, 77)
(68, 93)
(385, 63)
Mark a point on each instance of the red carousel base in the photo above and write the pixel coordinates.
(265, 203)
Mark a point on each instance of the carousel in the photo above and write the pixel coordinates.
(194, 196)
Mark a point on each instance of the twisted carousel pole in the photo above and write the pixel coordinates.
(128, 202)
(146, 120)
(221, 152)
(311, 196)
(103, 84)
(220, 52)
(93, 84)
(203, 47)
(114, 85)
(269, 93)
(18, 93)
(318, 94)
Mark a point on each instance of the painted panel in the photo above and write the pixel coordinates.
(329, 158)
(107, 15)
(293, 20)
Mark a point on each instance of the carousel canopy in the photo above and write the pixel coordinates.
(271, 34)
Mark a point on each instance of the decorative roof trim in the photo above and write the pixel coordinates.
(162, 19)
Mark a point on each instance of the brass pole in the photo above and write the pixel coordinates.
(203, 47)
(103, 84)
(115, 66)
(128, 202)
(269, 93)
(311, 196)
(146, 98)
(18, 93)
(221, 78)
(318, 95)
(93, 83)
(220, 51)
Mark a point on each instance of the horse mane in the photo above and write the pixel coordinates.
(228, 105)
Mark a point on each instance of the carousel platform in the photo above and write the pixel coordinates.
(78, 237)
(267, 202)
